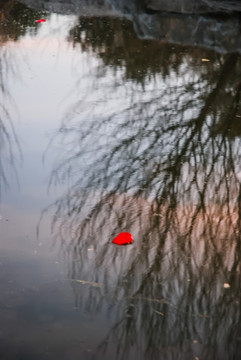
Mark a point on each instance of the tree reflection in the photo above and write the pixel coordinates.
(159, 158)
(117, 44)
(15, 21)
(7, 133)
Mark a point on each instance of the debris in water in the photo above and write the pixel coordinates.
(95, 284)
(205, 60)
(40, 20)
(159, 313)
(226, 285)
(123, 238)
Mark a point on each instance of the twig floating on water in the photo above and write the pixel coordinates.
(159, 313)
(95, 284)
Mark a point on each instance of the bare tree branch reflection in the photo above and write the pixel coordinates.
(10, 30)
(159, 158)
(7, 133)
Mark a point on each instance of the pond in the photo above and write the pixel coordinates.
(106, 128)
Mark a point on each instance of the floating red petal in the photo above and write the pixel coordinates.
(123, 238)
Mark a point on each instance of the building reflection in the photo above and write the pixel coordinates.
(165, 166)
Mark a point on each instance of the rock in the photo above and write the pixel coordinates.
(220, 33)
(178, 6)
(193, 6)
(79, 7)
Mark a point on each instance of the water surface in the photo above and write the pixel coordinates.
(103, 132)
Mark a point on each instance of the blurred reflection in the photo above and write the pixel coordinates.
(156, 153)
(118, 46)
(15, 20)
(7, 133)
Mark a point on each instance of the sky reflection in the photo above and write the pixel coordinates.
(159, 160)
(123, 141)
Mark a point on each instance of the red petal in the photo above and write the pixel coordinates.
(123, 238)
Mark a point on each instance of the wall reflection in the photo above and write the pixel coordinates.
(156, 154)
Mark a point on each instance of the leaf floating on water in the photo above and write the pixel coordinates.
(226, 285)
(40, 20)
(205, 60)
(123, 238)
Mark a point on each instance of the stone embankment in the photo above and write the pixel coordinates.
(214, 24)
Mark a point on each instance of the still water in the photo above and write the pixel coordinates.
(103, 132)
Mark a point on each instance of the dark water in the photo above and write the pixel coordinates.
(102, 132)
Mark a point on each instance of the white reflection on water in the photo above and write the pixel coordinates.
(35, 295)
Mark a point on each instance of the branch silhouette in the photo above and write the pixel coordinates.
(161, 162)
(10, 30)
